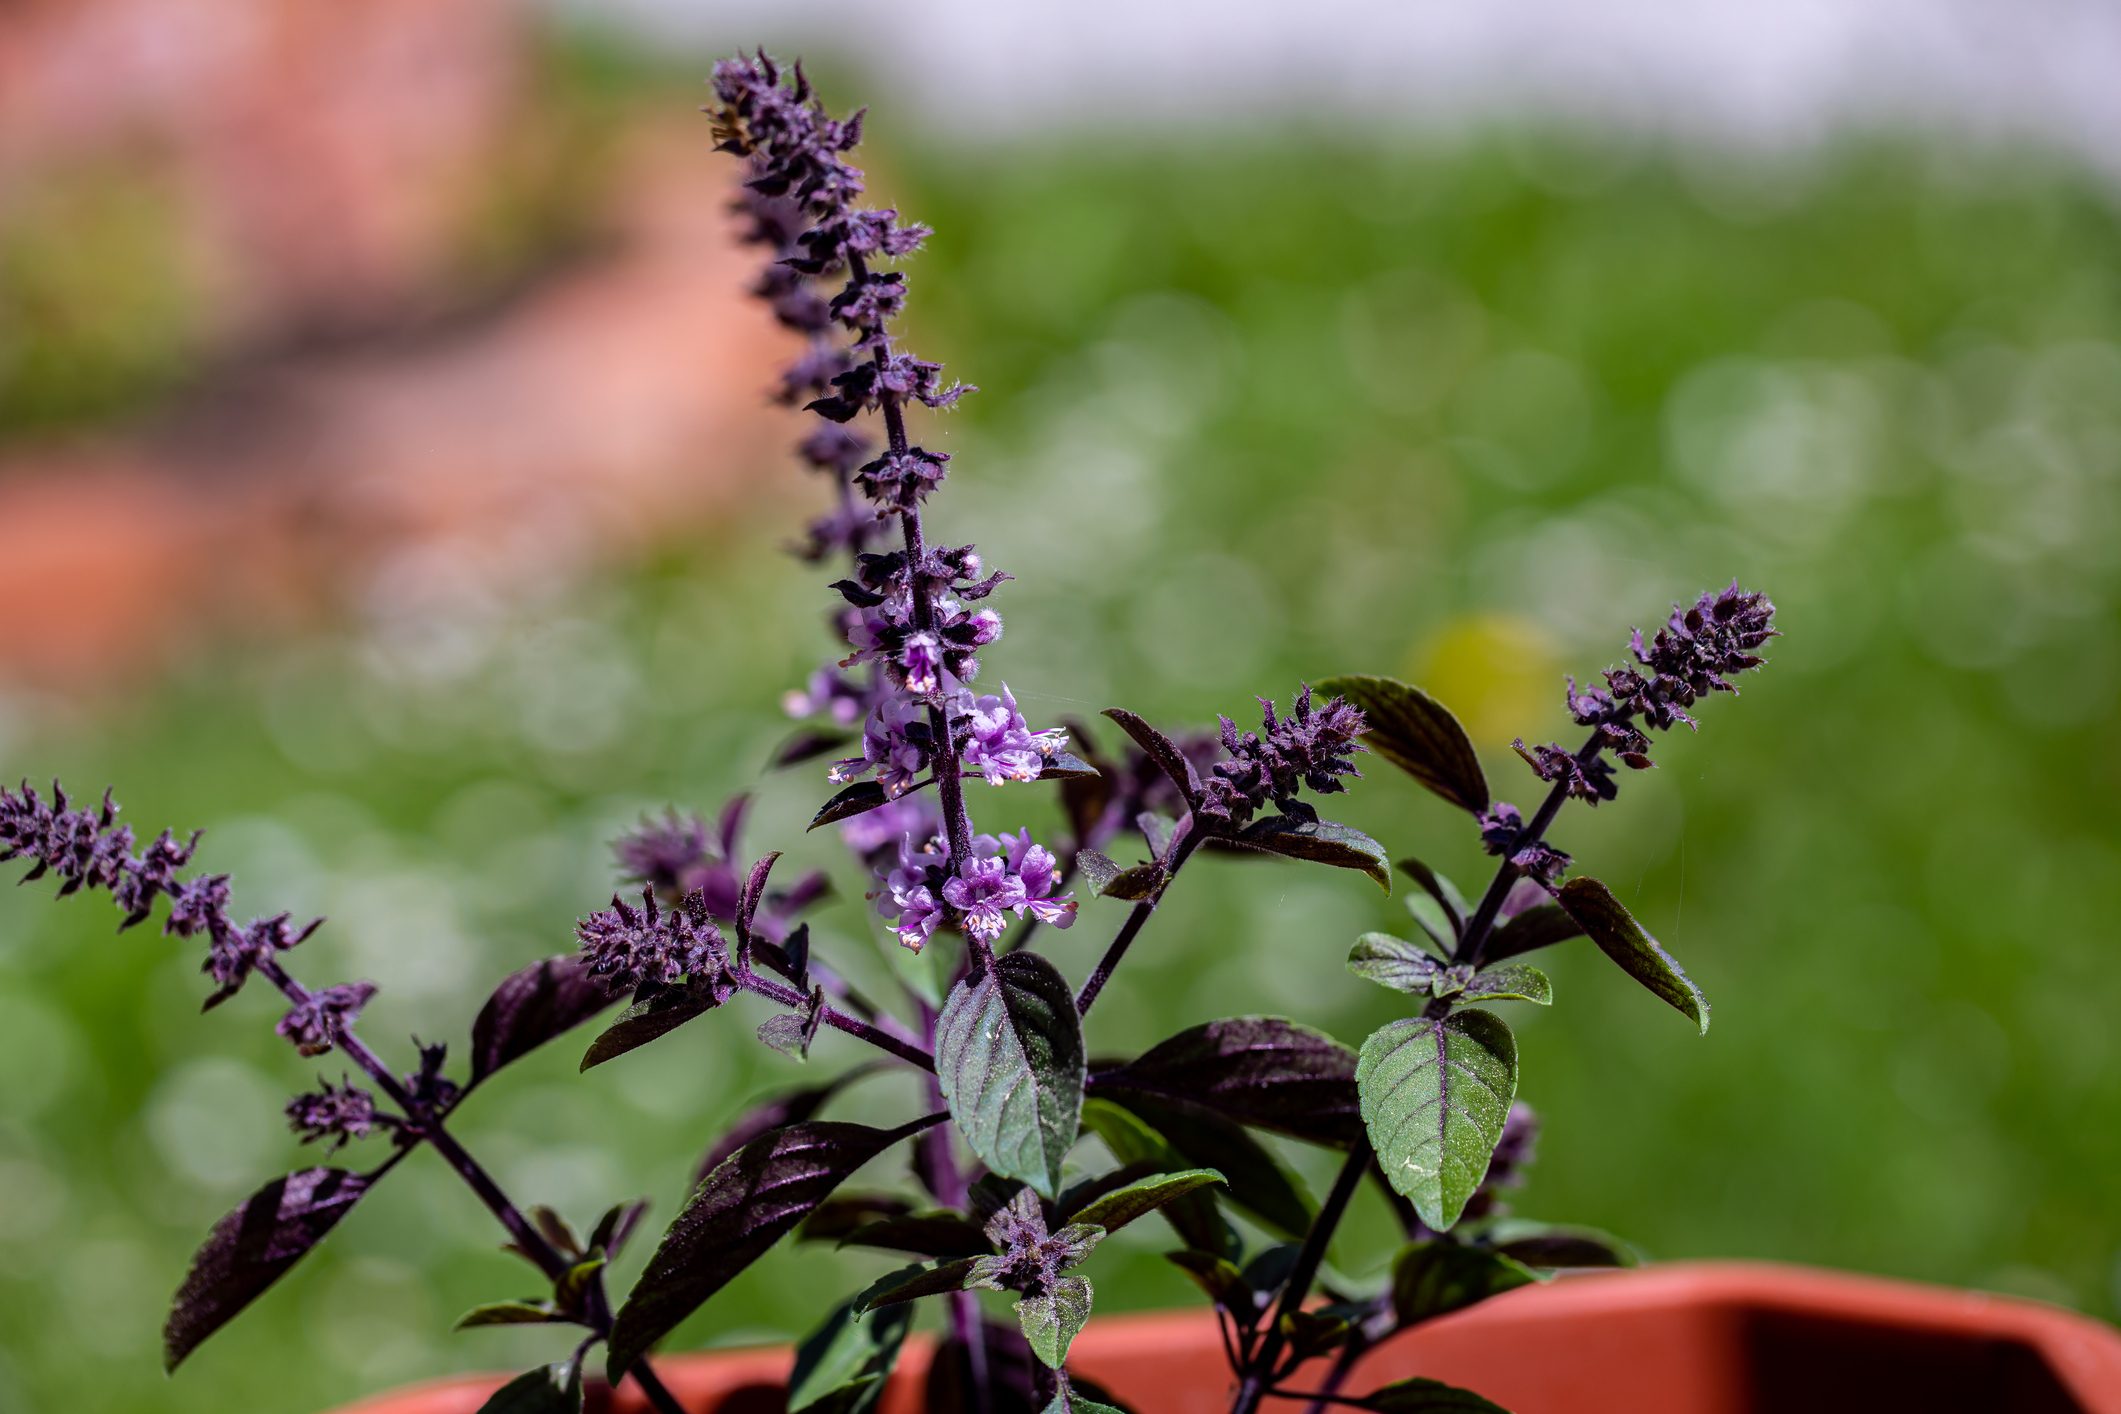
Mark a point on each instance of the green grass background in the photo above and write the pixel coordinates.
(1259, 405)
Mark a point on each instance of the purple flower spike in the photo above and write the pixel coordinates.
(1312, 747)
(998, 743)
(319, 1022)
(630, 947)
(333, 1115)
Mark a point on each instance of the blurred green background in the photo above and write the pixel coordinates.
(1260, 406)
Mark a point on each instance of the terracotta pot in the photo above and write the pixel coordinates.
(1683, 1339)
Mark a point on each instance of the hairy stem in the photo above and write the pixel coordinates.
(1184, 840)
(1259, 1373)
(876, 1035)
(1482, 923)
(427, 1125)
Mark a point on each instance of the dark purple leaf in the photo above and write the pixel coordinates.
(1425, 1396)
(1530, 930)
(1259, 1181)
(1418, 734)
(654, 1014)
(776, 1112)
(1537, 1245)
(912, 1283)
(747, 906)
(838, 1217)
(1262, 1071)
(807, 744)
(531, 1007)
(1321, 841)
(1622, 939)
(616, 1226)
(748, 1203)
(857, 799)
(252, 1248)
(1162, 750)
(1009, 1061)
(930, 1234)
(1061, 766)
(1431, 1279)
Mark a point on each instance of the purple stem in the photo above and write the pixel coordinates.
(877, 1036)
(1259, 1370)
(1180, 848)
(1482, 923)
(428, 1126)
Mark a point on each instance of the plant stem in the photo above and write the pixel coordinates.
(427, 1125)
(1184, 840)
(1259, 1371)
(952, 1191)
(877, 1036)
(1482, 923)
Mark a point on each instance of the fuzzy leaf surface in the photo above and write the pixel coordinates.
(1053, 1320)
(1395, 963)
(1512, 982)
(1629, 944)
(1137, 1200)
(654, 1016)
(1418, 734)
(253, 1247)
(912, 1283)
(1321, 842)
(1009, 1059)
(750, 1201)
(1435, 1092)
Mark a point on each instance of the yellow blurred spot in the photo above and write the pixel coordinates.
(1498, 672)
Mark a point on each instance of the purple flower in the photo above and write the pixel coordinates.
(232, 952)
(981, 892)
(1500, 825)
(1028, 1258)
(1587, 780)
(1033, 869)
(632, 947)
(1312, 747)
(896, 742)
(908, 899)
(1697, 652)
(668, 854)
(899, 481)
(1541, 863)
(998, 743)
(431, 1090)
(333, 1115)
(829, 693)
(320, 1021)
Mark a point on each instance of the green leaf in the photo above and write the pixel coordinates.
(1416, 733)
(749, 1202)
(1109, 880)
(1009, 1060)
(1625, 941)
(912, 1283)
(1394, 962)
(1132, 1140)
(1053, 1320)
(857, 799)
(1259, 1182)
(1137, 1200)
(1321, 841)
(1532, 929)
(1436, 924)
(1547, 1245)
(1431, 1279)
(1419, 1396)
(841, 1367)
(1437, 887)
(550, 1389)
(1067, 1401)
(510, 1313)
(1435, 1092)
(655, 1015)
(1217, 1277)
(1516, 982)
